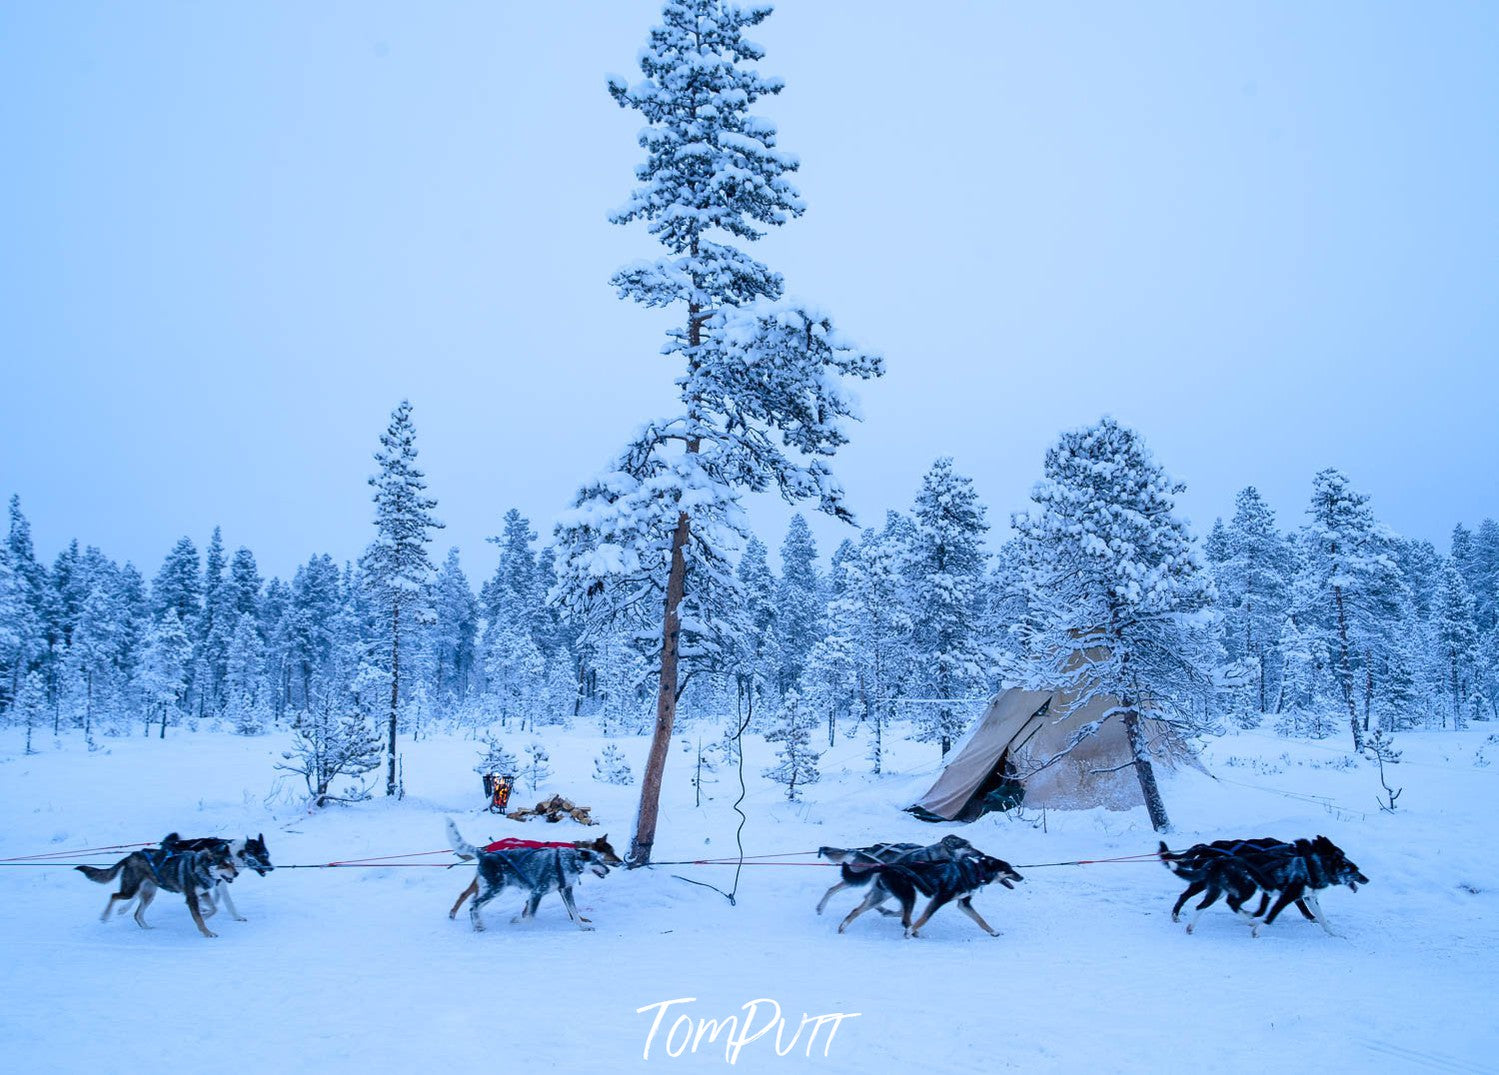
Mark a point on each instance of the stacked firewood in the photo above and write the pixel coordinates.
(554, 809)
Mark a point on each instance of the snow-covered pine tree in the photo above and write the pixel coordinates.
(30, 708)
(13, 612)
(796, 764)
(244, 704)
(946, 569)
(1484, 583)
(871, 613)
(215, 628)
(829, 679)
(610, 767)
(453, 638)
(313, 626)
(1456, 638)
(162, 677)
(799, 602)
(177, 585)
(751, 657)
(1350, 578)
(619, 671)
(1254, 577)
(396, 566)
(761, 401)
(497, 760)
(514, 673)
(515, 593)
(28, 600)
(1303, 703)
(326, 746)
(91, 665)
(1119, 588)
(536, 768)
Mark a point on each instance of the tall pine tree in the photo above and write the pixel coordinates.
(1118, 583)
(396, 566)
(761, 402)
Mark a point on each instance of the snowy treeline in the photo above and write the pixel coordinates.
(911, 621)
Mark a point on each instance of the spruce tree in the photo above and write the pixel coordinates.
(1350, 580)
(164, 668)
(454, 634)
(796, 764)
(1254, 576)
(1117, 585)
(762, 406)
(177, 585)
(946, 569)
(1456, 637)
(798, 601)
(396, 566)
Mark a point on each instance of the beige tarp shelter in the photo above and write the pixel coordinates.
(1027, 750)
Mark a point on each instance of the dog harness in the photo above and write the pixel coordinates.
(515, 843)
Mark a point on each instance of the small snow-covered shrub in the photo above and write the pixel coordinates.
(611, 767)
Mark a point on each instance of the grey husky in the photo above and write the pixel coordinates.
(535, 870)
(944, 880)
(142, 873)
(860, 864)
(248, 853)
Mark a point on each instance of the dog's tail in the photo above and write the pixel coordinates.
(1169, 858)
(461, 847)
(105, 875)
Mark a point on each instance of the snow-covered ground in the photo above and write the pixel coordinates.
(361, 970)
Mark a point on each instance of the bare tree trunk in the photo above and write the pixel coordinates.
(395, 691)
(1145, 772)
(1345, 670)
(666, 702)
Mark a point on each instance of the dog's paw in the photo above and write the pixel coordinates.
(1190, 927)
(996, 933)
(585, 928)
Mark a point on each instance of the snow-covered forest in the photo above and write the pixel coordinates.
(1317, 619)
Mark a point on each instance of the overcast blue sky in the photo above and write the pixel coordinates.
(235, 235)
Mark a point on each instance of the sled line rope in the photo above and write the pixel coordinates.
(77, 851)
(1317, 800)
(1150, 856)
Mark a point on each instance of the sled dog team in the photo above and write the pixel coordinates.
(950, 870)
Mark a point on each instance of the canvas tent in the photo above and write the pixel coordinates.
(1027, 749)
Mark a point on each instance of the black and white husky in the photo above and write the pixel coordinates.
(1293, 872)
(860, 864)
(535, 870)
(248, 853)
(142, 873)
(951, 869)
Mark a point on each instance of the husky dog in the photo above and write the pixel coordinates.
(1194, 863)
(537, 870)
(860, 864)
(185, 872)
(1293, 871)
(601, 845)
(248, 853)
(943, 880)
